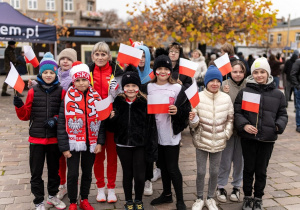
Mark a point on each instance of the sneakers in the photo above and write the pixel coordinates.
(138, 205)
(6, 94)
(111, 196)
(62, 191)
(162, 199)
(40, 206)
(257, 204)
(148, 188)
(85, 205)
(221, 195)
(235, 195)
(298, 129)
(56, 202)
(180, 205)
(211, 204)
(198, 205)
(247, 203)
(101, 197)
(129, 205)
(156, 175)
(73, 206)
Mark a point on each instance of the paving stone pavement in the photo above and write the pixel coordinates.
(282, 190)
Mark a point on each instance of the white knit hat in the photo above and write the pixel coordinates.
(261, 63)
(80, 70)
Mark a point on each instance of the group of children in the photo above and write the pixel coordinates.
(66, 130)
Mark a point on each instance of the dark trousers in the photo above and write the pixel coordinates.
(4, 86)
(149, 171)
(38, 153)
(87, 162)
(134, 167)
(256, 159)
(168, 161)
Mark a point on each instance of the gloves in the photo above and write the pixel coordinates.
(50, 123)
(113, 85)
(18, 102)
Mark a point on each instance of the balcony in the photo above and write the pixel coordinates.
(91, 15)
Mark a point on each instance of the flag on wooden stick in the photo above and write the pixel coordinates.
(14, 80)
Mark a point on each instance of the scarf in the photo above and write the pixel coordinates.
(81, 116)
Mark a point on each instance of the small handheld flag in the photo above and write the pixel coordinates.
(223, 64)
(187, 67)
(158, 104)
(192, 94)
(14, 80)
(104, 107)
(129, 55)
(250, 102)
(30, 56)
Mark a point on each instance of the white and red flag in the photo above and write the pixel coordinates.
(158, 104)
(30, 56)
(104, 107)
(151, 75)
(251, 102)
(223, 64)
(14, 80)
(187, 67)
(192, 94)
(129, 55)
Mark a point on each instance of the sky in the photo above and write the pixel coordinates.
(285, 7)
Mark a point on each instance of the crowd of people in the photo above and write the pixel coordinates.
(66, 130)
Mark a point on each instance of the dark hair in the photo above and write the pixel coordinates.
(177, 46)
(240, 63)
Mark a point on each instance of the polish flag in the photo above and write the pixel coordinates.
(223, 64)
(192, 94)
(151, 75)
(14, 80)
(187, 67)
(251, 102)
(158, 104)
(129, 55)
(104, 107)
(30, 56)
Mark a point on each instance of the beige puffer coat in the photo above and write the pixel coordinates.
(215, 124)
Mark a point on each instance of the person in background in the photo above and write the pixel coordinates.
(202, 68)
(275, 69)
(295, 80)
(22, 68)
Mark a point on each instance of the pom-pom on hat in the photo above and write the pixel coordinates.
(162, 61)
(11, 42)
(212, 73)
(80, 70)
(68, 53)
(48, 63)
(131, 76)
(261, 63)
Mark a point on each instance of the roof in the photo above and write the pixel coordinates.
(293, 23)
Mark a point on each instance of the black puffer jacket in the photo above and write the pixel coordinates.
(186, 81)
(45, 105)
(132, 126)
(272, 112)
(295, 74)
(62, 135)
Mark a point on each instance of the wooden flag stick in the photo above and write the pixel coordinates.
(256, 123)
(227, 80)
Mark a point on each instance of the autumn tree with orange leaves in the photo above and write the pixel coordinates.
(201, 21)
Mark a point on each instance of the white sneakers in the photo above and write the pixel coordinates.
(111, 196)
(40, 206)
(148, 188)
(156, 175)
(211, 204)
(221, 195)
(198, 205)
(101, 197)
(62, 191)
(56, 202)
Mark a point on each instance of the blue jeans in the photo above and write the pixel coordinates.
(276, 80)
(297, 105)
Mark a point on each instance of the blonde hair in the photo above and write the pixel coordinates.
(198, 51)
(101, 47)
(228, 48)
(240, 63)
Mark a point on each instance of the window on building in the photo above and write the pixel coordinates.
(271, 38)
(297, 37)
(279, 38)
(32, 4)
(50, 4)
(69, 22)
(89, 6)
(68, 5)
(15, 4)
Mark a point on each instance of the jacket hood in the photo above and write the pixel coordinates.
(294, 57)
(252, 83)
(250, 79)
(144, 74)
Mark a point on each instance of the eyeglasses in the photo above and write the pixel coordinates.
(175, 52)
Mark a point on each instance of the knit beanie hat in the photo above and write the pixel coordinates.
(261, 63)
(48, 63)
(162, 61)
(68, 53)
(80, 70)
(212, 73)
(131, 76)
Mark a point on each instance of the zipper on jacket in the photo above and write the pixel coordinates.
(47, 95)
(129, 124)
(86, 121)
(214, 126)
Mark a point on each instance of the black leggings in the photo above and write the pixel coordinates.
(168, 161)
(134, 167)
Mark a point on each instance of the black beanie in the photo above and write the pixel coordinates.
(162, 61)
(131, 76)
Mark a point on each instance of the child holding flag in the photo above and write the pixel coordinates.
(260, 115)
(135, 134)
(169, 126)
(42, 108)
(79, 133)
(211, 124)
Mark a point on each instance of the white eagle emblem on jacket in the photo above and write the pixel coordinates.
(75, 125)
(94, 126)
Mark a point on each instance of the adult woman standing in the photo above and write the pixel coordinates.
(202, 67)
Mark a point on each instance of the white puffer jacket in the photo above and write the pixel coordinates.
(202, 67)
(215, 124)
